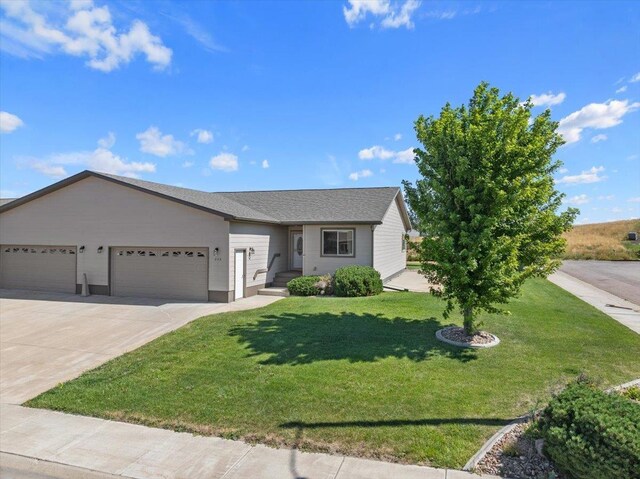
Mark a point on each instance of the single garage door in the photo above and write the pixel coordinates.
(38, 268)
(178, 273)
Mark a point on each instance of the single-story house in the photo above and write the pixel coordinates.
(138, 238)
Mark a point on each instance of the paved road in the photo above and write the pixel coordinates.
(621, 278)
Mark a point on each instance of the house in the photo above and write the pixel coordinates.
(137, 238)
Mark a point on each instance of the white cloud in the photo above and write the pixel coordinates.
(53, 171)
(405, 156)
(615, 209)
(202, 136)
(81, 30)
(108, 141)
(101, 159)
(577, 200)
(152, 141)
(382, 153)
(606, 197)
(197, 32)
(402, 18)
(594, 115)
(598, 138)
(391, 16)
(245, 148)
(188, 164)
(397, 136)
(632, 157)
(224, 162)
(563, 170)
(548, 99)
(622, 89)
(265, 164)
(356, 175)
(379, 152)
(9, 122)
(589, 176)
(635, 199)
(635, 78)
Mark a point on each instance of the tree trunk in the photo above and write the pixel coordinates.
(469, 326)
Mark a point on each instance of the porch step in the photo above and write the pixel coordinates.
(274, 291)
(287, 275)
(280, 283)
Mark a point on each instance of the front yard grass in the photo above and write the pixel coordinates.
(362, 376)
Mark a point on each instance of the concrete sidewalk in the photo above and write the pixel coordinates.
(133, 451)
(623, 311)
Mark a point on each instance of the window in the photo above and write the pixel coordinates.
(404, 243)
(337, 242)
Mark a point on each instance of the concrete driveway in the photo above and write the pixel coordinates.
(49, 338)
(621, 278)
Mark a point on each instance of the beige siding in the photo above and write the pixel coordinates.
(94, 212)
(388, 257)
(266, 240)
(315, 263)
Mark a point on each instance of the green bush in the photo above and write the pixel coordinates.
(357, 281)
(590, 434)
(304, 286)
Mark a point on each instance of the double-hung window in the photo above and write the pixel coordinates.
(338, 242)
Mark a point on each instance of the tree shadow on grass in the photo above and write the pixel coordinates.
(303, 338)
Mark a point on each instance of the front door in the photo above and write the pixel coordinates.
(239, 274)
(296, 253)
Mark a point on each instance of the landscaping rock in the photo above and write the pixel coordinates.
(516, 456)
(456, 336)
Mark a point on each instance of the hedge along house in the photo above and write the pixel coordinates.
(137, 238)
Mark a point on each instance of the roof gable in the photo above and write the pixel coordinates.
(346, 205)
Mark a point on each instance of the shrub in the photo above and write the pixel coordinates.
(357, 281)
(304, 286)
(632, 393)
(591, 434)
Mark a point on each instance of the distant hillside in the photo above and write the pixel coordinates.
(605, 241)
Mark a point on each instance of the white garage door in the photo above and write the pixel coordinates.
(38, 268)
(178, 273)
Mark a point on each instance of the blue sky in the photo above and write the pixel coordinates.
(276, 95)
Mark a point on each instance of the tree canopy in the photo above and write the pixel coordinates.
(487, 200)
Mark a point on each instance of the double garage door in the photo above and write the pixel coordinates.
(178, 273)
(38, 268)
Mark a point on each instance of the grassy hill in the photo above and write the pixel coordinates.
(605, 241)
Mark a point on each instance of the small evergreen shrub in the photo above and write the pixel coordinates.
(357, 281)
(632, 393)
(590, 434)
(304, 286)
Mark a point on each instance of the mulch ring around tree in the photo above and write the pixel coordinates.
(456, 336)
(515, 456)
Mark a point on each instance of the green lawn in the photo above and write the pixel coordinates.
(358, 376)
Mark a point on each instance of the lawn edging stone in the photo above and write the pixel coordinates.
(472, 463)
(440, 337)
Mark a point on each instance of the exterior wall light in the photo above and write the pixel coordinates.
(251, 252)
(100, 248)
(81, 250)
(216, 251)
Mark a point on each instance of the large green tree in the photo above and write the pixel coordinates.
(487, 200)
